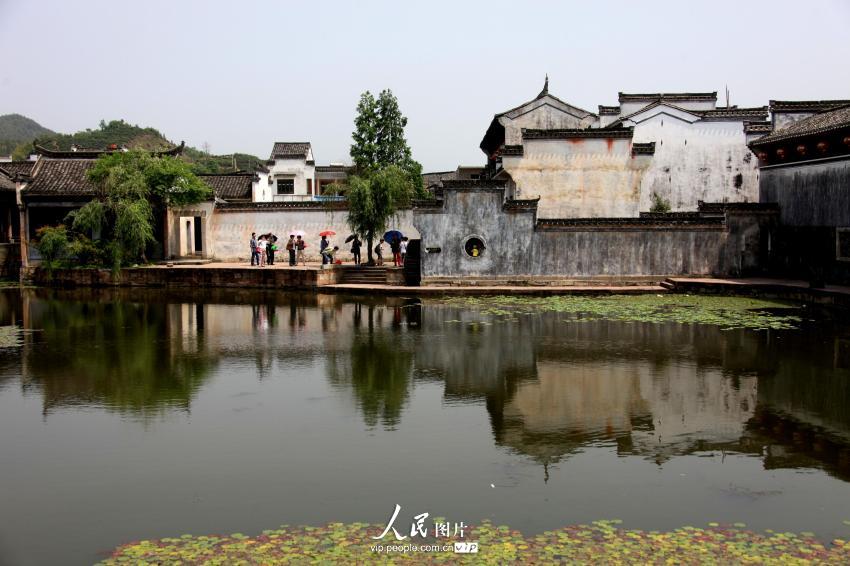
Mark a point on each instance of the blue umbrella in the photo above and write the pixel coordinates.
(392, 235)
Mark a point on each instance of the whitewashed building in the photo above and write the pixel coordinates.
(678, 148)
(291, 175)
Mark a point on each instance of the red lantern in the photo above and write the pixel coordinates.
(780, 153)
(762, 156)
(822, 146)
(801, 149)
(847, 141)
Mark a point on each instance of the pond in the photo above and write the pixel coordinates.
(136, 414)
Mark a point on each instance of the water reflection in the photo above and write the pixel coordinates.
(550, 387)
(128, 357)
(379, 361)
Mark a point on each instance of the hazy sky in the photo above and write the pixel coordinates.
(241, 75)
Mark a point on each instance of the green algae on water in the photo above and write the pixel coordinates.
(727, 312)
(602, 542)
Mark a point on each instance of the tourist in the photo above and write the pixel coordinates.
(328, 255)
(300, 244)
(379, 252)
(395, 250)
(255, 256)
(403, 249)
(262, 243)
(271, 247)
(355, 249)
(290, 247)
(323, 245)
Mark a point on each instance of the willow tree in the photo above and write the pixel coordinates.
(130, 186)
(376, 198)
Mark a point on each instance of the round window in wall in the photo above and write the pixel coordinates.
(474, 246)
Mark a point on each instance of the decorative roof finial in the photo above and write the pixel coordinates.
(545, 90)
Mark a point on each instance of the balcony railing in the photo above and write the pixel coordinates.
(307, 198)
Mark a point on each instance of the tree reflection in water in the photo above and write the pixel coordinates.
(129, 357)
(550, 387)
(378, 365)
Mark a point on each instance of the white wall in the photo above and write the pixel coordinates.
(295, 168)
(261, 191)
(584, 177)
(700, 161)
(784, 119)
(229, 232)
(694, 160)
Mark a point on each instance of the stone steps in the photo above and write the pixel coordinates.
(364, 276)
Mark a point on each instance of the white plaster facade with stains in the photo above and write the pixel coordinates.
(700, 154)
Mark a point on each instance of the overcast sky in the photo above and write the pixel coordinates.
(241, 75)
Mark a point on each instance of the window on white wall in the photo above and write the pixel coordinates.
(286, 186)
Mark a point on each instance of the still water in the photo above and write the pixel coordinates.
(140, 414)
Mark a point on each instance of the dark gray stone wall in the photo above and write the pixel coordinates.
(809, 194)
(475, 212)
(647, 252)
(516, 247)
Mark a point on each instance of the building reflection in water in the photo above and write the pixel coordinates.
(141, 358)
(550, 387)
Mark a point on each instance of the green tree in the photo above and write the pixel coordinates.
(376, 198)
(379, 138)
(131, 185)
(364, 150)
(52, 244)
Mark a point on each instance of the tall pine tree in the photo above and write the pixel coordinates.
(379, 138)
(365, 135)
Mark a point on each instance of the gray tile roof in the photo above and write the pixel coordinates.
(61, 177)
(18, 167)
(534, 134)
(647, 148)
(290, 149)
(758, 127)
(625, 96)
(334, 168)
(806, 105)
(6, 183)
(230, 186)
(735, 113)
(818, 124)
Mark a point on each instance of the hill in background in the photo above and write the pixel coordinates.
(16, 129)
(117, 132)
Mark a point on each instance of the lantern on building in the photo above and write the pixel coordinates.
(846, 141)
(780, 153)
(762, 155)
(822, 146)
(801, 150)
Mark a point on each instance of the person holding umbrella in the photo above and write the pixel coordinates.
(355, 247)
(393, 237)
(395, 248)
(323, 245)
